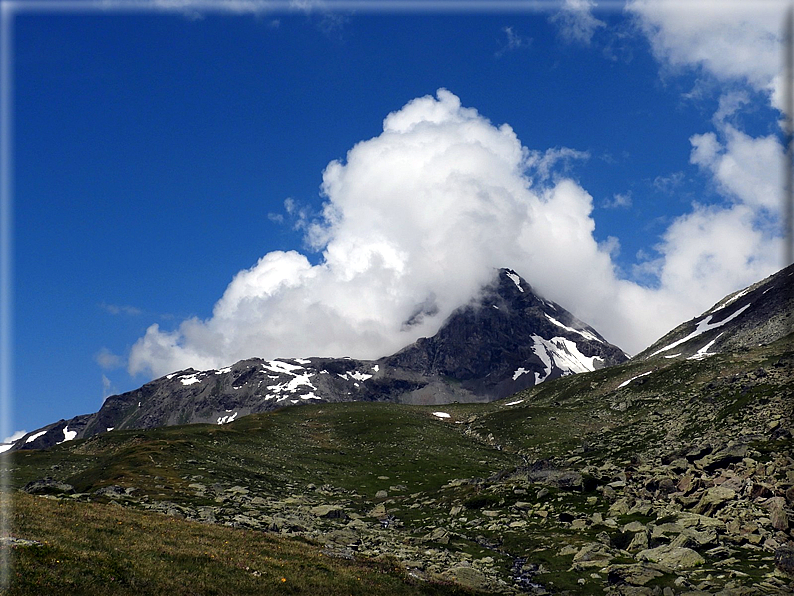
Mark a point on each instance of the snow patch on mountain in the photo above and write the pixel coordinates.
(516, 280)
(541, 352)
(703, 326)
(280, 366)
(723, 303)
(519, 372)
(704, 351)
(35, 436)
(358, 376)
(191, 379)
(68, 435)
(624, 383)
(582, 332)
(227, 419)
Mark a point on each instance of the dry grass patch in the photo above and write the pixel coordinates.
(90, 548)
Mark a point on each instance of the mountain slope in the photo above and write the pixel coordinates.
(679, 481)
(506, 340)
(654, 476)
(756, 315)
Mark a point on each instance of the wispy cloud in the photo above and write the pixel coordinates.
(668, 184)
(623, 200)
(513, 42)
(555, 161)
(15, 437)
(107, 388)
(575, 21)
(116, 309)
(107, 359)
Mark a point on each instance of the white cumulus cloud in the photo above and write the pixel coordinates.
(414, 223)
(730, 40)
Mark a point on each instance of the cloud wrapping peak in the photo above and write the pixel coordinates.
(415, 222)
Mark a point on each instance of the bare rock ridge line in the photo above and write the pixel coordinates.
(506, 340)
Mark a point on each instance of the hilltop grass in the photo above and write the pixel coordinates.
(91, 548)
(347, 445)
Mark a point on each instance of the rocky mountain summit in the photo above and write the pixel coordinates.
(506, 340)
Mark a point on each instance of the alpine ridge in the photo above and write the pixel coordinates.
(757, 315)
(506, 340)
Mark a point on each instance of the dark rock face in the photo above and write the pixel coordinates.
(757, 315)
(506, 340)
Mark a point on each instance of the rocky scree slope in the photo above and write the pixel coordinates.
(507, 340)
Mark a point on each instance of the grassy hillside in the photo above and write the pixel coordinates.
(90, 548)
(679, 480)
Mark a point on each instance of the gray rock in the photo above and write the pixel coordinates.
(48, 486)
(329, 512)
(784, 559)
(112, 491)
(594, 554)
(713, 499)
(777, 515)
(723, 458)
(635, 575)
(673, 557)
(638, 543)
(439, 535)
(467, 576)
(693, 538)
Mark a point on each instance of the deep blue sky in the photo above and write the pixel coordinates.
(150, 150)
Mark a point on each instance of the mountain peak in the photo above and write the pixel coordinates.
(506, 339)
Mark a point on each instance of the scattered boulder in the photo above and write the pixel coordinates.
(48, 486)
(635, 575)
(672, 557)
(723, 458)
(329, 512)
(639, 542)
(467, 576)
(777, 515)
(594, 554)
(784, 559)
(439, 535)
(713, 499)
(113, 491)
